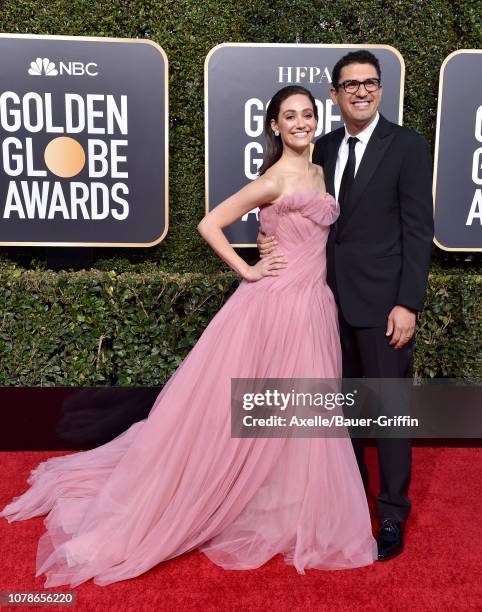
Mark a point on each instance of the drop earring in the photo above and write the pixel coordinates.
(276, 133)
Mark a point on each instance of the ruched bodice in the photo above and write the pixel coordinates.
(300, 216)
(300, 223)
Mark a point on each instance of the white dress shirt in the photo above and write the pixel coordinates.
(360, 146)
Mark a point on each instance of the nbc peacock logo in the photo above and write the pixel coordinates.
(42, 66)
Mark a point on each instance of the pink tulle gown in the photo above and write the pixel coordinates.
(178, 481)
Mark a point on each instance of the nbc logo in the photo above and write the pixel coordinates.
(43, 66)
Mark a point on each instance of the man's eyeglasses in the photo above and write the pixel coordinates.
(352, 86)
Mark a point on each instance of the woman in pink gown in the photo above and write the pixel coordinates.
(177, 481)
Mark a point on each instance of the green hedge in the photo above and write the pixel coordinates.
(424, 32)
(130, 323)
(101, 328)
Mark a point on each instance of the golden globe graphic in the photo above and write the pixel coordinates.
(64, 156)
(83, 130)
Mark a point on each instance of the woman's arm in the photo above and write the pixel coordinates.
(261, 191)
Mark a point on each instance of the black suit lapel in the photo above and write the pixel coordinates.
(377, 145)
(330, 160)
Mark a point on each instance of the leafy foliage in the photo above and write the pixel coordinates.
(128, 323)
(104, 328)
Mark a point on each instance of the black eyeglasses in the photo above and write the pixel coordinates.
(352, 86)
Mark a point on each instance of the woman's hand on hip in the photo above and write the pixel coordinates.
(267, 266)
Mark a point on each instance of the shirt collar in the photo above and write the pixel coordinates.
(364, 135)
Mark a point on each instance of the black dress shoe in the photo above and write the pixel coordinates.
(389, 539)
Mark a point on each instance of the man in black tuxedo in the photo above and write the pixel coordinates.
(378, 257)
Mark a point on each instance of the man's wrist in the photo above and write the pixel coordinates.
(412, 310)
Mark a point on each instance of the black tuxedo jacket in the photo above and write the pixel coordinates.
(378, 253)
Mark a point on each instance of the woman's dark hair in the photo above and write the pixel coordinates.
(355, 57)
(274, 146)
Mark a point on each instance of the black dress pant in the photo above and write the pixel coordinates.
(366, 352)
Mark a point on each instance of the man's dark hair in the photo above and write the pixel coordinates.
(355, 57)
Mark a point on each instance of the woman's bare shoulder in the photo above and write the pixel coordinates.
(318, 170)
(273, 178)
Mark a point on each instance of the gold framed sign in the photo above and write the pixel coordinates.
(457, 177)
(240, 78)
(84, 141)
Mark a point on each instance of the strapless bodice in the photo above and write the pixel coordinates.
(298, 215)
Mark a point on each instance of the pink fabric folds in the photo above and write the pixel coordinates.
(177, 481)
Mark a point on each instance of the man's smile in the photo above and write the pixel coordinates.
(361, 104)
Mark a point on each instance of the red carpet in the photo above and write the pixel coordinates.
(440, 569)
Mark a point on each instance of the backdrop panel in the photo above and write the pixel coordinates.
(457, 182)
(83, 135)
(239, 81)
